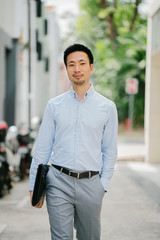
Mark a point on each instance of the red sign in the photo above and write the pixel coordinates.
(131, 86)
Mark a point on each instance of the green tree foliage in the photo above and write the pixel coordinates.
(116, 33)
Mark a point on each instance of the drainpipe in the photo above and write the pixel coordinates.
(29, 65)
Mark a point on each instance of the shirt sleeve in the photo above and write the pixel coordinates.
(109, 147)
(44, 143)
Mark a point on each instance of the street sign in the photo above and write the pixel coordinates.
(131, 86)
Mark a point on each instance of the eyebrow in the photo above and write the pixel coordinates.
(81, 60)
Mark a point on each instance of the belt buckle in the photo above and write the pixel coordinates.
(78, 174)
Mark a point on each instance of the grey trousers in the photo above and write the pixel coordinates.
(74, 203)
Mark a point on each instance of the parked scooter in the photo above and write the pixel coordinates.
(20, 141)
(24, 151)
(12, 150)
(6, 180)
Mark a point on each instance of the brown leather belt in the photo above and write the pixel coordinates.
(74, 174)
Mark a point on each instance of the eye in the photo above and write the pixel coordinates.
(82, 63)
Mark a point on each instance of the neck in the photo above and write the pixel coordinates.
(81, 90)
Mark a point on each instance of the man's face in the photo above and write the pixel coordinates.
(78, 68)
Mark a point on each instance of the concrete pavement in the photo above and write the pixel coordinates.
(18, 220)
(131, 146)
(131, 208)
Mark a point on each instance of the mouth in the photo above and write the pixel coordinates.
(77, 76)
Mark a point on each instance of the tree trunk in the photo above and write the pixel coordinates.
(135, 14)
(110, 21)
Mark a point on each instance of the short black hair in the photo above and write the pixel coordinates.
(78, 47)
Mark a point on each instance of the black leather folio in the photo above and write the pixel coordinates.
(40, 184)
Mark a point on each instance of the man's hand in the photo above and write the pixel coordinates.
(40, 203)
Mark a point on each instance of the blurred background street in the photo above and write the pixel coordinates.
(124, 37)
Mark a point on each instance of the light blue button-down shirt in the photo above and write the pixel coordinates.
(79, 135)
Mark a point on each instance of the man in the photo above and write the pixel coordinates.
(79, 128)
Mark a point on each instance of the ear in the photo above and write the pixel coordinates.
(91, 66)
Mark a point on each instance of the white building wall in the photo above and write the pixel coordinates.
(53, 42)
(152, 101)
(13, 20)
(44, 85)
(21, 32)
(47, 82)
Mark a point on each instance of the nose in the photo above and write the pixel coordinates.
(77, 68)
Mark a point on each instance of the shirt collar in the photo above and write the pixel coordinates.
(86, 95)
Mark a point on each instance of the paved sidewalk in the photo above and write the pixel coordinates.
(18, 220)
(131, 208)
(131, 148)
